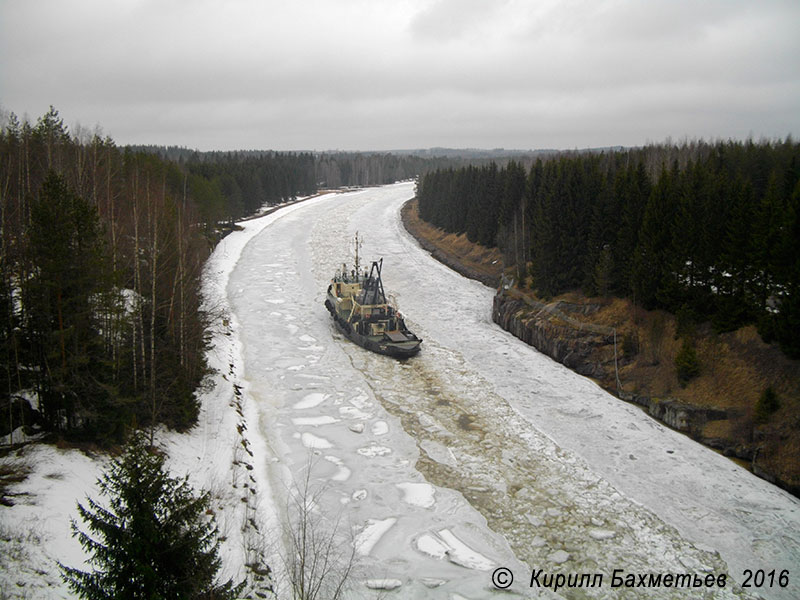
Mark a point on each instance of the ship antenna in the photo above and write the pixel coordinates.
(357, 245)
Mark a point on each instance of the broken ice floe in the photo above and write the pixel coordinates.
(314, 421)
(343, 474)
(380, 428)
(417, 494)
(374, 450)
(314, 441)
(383, 584)
(371, 534)
(311, 400)
(444, 544)
(354, 413)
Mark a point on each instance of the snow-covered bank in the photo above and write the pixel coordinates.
(217, 455)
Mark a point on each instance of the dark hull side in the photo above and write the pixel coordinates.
(386, 347)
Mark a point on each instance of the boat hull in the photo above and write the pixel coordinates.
(378, 344)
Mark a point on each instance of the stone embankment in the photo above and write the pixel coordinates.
(590, 350)
(579, 346)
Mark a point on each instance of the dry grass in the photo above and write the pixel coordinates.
(487, 261)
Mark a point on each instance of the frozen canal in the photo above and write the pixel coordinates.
(479, 452)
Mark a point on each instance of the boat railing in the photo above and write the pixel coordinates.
(392, 301)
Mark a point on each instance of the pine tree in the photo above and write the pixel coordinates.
(153, 539)
(62, 298)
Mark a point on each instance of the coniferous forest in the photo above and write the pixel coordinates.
(101, 254)
(99, 284)
(709, 232)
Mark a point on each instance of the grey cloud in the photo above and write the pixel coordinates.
(444, 20)
(386, 74)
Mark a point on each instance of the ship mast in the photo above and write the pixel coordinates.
(357, 246)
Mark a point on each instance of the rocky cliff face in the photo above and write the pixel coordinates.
(591, 351)
(584, 351)
(678, 415)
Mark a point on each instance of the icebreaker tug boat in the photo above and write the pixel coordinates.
(361, 311)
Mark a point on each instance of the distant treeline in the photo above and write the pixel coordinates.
(228, 185)
(706, 231)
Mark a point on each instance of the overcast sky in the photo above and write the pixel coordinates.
(390, 74)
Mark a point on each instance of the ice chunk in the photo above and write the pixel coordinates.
(432, 546)
(439, 452)
(380, 428)
(383, 584)
(534, 520)
(343, 474)
(601, 534)
(311, 400)
(461, 554)
(313, 441)
(314, 421)
(372, 534)
(374, 450)
(354, 413)
(418, 494)
(361, 401)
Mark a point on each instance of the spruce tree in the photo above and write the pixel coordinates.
(651, 271)
(687, 364)
(62, 299)
(787, 320)
(735, 302)
(153, 540)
